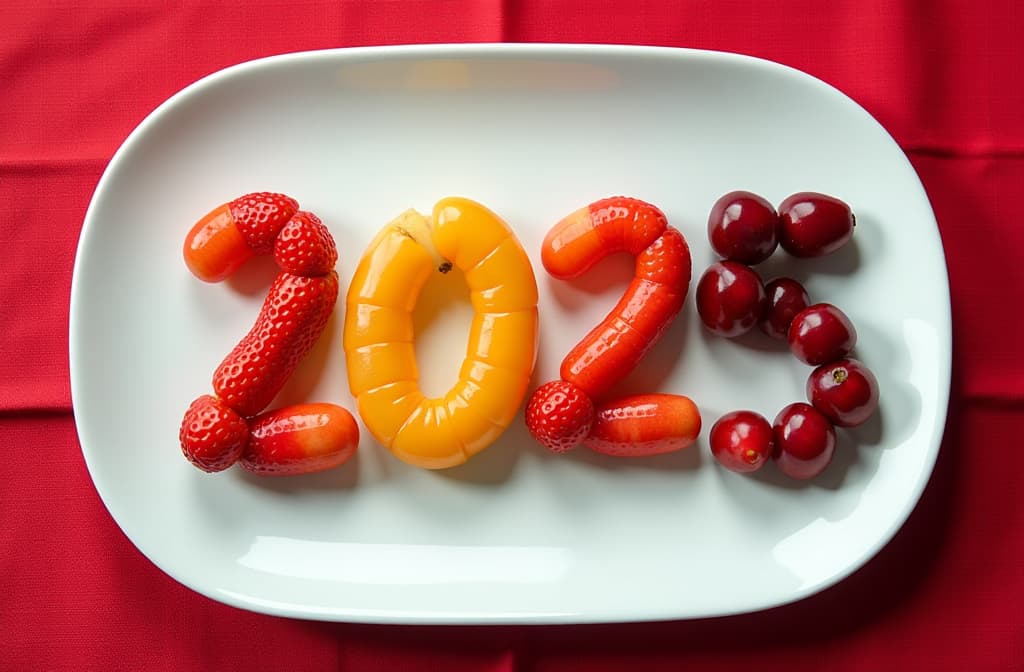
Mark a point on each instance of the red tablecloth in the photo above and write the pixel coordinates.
(947, 80)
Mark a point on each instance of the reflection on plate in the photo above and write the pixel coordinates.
(516, 535)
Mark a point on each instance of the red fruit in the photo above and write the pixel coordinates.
(305, 247)
(730, 298)
(786, 298)
(646, 310)
(643, 425)
(805, 441)
(742, 441)
(742, 227)
(291, 320)
(559, 415)
(232, 233)
(813, 224)
(212, 435)
(846, 392)
(300, 439)
(821, 333)
(260, 216)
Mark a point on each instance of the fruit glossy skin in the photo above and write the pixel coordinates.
(742, 226)
(845, 391)
(289, 324)
(644, 425)
(559, 416)
(300, 439)
(821, 333)
(437, 433)
(232, 233)
(730, 298)
(651, 302)
(805, 441)
(785, 298)
(212, 435)
(812, 224)
(742, 441)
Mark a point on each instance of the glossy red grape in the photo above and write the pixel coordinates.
(813, 224)
(730, 298)
(786, 298)
(805, 441)
(743, 227)
(821, 333)
(846, 392)
(742, 441)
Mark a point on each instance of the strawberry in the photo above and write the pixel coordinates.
(300, 439)
(212, 435)
(305, 246)
(291, 320)
(559, 415)
(260, 216)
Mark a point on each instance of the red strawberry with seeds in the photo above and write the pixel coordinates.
(291, 320)
(559, 415)
(305, 246)
(212, 435)
(260, 216)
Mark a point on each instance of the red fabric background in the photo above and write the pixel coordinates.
(945, 78)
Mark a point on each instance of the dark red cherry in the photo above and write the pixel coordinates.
(742, 441)
(805, 441)
(813, 224)
(846, 392)
(743, 227)
(730, 298)
(786, 298)
(821, 333)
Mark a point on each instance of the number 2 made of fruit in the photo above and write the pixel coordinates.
(580, 407)
(229, 426)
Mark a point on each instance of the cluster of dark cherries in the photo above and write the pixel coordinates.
(745, 229)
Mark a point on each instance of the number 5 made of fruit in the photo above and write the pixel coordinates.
(437, 433)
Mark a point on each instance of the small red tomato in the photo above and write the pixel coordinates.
(821, 333)
(742, 227)
(730, 298)
(805, 441)
(813, 224)
(742, 441)
(846, 392)
(786, 298)
(644, 424)
(300, 439)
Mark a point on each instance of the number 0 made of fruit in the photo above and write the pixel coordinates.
(436, 433)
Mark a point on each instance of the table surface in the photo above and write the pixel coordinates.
(946, 79)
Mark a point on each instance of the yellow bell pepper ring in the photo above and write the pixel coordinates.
(437, 433)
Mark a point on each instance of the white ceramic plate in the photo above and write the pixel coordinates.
(516, 535)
